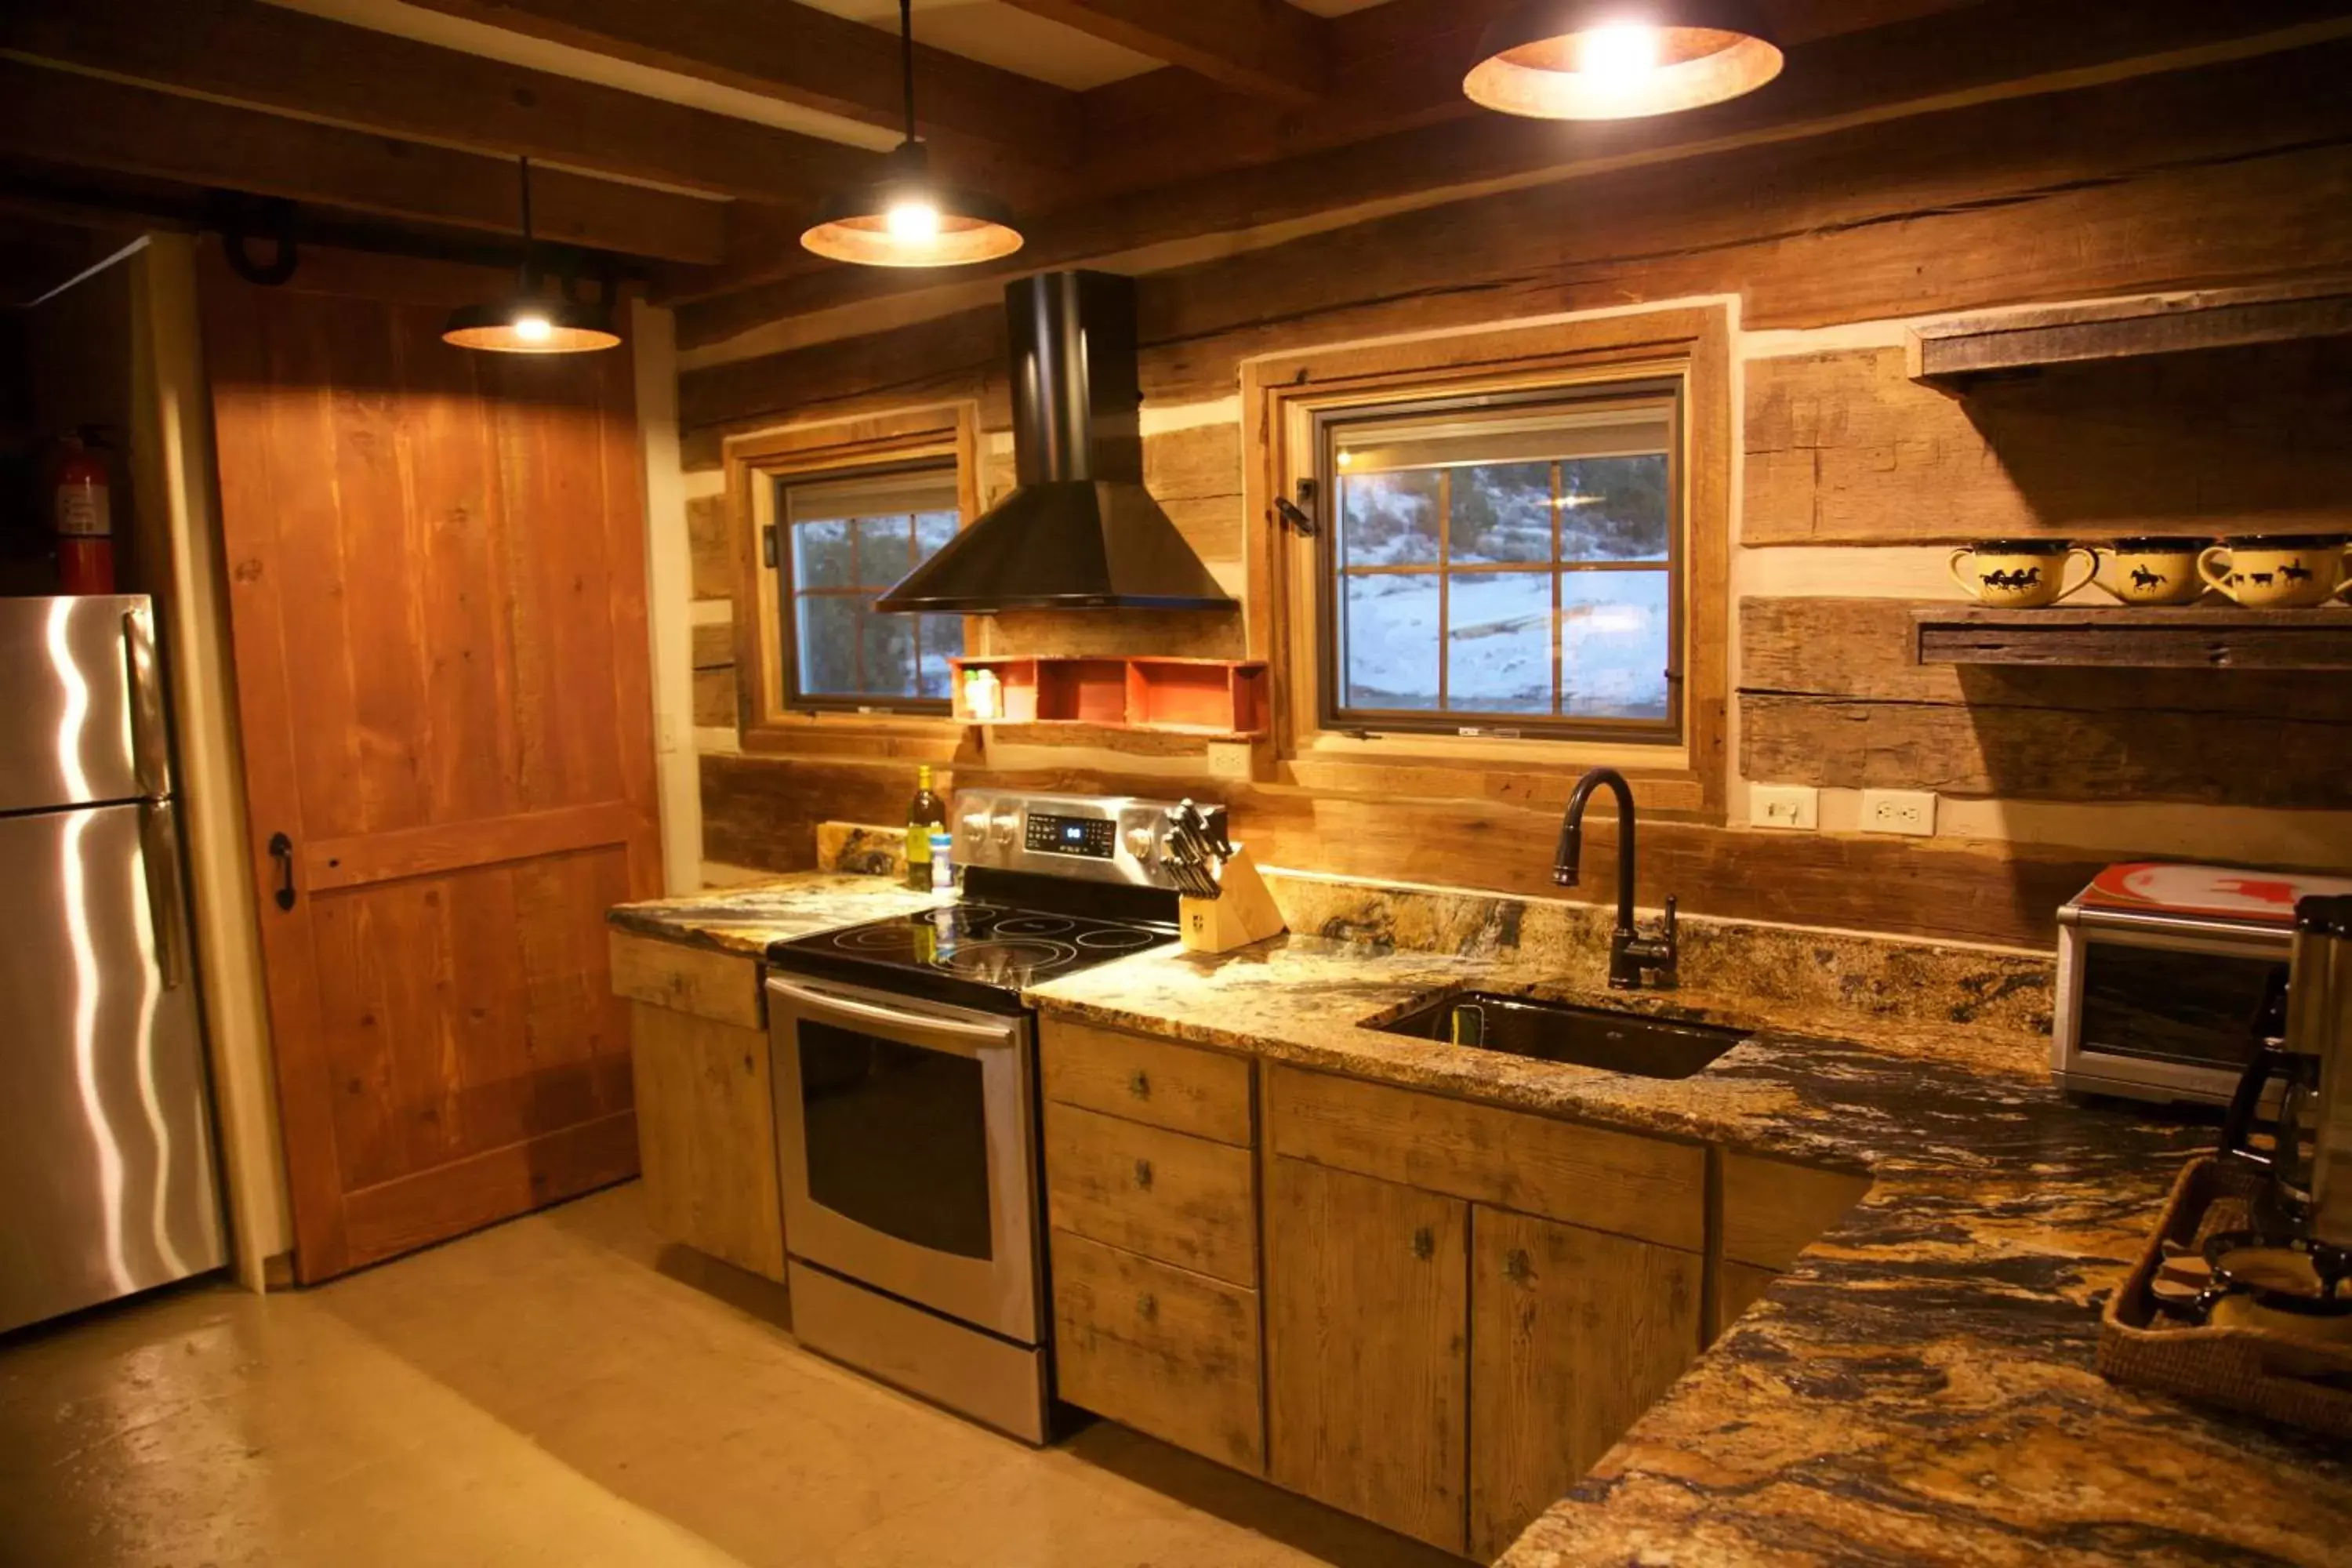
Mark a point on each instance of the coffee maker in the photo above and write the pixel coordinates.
(2318, 1036)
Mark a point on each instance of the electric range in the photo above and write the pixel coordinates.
(904, 1066)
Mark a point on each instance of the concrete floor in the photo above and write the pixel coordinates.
(553, 1391)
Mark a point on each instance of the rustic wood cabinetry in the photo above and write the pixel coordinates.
(1573, 1333)
(1368, 1335)
(1151, 1197)
(706, 1116)
(1441, 1360)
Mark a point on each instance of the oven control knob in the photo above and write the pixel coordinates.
(1003, 828)
(975, 826)
(1138, 843)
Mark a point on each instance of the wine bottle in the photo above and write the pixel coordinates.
(925, 813)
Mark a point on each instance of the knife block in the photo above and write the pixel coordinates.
(1242, 912)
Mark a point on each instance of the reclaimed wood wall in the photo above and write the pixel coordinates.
(1856, 482)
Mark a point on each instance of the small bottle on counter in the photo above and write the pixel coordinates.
(943, 860)
(926, 815)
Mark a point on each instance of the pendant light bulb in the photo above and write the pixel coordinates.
(912, 220)
(528, 322)
(1619, 56)
(907, 218)
(1621, 59)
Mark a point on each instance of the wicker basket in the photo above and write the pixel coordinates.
(2295, 1381)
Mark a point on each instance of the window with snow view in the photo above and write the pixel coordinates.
(1505, 566)
(845, 541)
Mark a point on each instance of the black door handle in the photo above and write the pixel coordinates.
(281, 849)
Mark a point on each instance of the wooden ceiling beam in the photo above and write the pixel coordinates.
(798, 55)
(85, 121)
(271, 57)
(1838, 81)
(1265, 48)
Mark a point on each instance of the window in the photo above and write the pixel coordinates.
(846, 539)
(1503, 565)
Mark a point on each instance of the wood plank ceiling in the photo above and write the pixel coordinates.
(693, 136)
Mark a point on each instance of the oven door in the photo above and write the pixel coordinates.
(906, 1145)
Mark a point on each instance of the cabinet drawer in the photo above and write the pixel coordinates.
(1160, 1349)
(721, 986)
(1171, 1197)
(1141, 1078)
(1595, 1176)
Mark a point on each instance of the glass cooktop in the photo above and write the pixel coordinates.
(959, 946)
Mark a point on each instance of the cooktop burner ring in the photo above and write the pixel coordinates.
(1020, 953)
(1033, 926)
(1119, 938)
(870, 938)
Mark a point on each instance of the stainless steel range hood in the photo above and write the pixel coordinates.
(1080, 532)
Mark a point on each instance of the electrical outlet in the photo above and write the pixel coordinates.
(1909, 811)
(1796, 806)
(1231, 760)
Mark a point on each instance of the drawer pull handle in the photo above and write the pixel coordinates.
(1143, 1175)
(1147, 1309)
(1139, 1085)
(1516, 1268)
(1424, 1245)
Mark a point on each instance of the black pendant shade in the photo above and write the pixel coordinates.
(530, 322)
(1621, 59)
(907, 218)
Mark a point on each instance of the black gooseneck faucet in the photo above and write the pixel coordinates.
(1633, 954)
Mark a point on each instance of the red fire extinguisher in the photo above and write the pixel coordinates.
(84, 518)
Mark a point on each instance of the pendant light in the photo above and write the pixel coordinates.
(532, 323)
(906, 218)
(1621, 59)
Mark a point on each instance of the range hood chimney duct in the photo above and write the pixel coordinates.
(1079, 531)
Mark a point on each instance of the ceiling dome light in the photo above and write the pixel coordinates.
(531, 322)
(1621, 59)
(906, 218)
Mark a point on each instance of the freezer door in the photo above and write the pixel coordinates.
(81, 714)
(105, 1155)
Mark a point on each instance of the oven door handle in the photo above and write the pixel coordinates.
(963, 1038)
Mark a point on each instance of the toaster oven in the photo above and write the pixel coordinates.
(2162, 973)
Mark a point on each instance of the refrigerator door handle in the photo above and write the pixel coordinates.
(159, 851)
(149, 749)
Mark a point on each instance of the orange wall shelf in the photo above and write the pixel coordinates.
(1210, 696)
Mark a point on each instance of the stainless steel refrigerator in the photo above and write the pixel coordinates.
(108, 1181)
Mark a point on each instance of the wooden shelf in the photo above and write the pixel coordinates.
(1213, 698)
(1950, 355)
(2189, 637)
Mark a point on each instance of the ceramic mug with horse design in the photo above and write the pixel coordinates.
(2277, 570)
(2155, 571)
(2019, 574)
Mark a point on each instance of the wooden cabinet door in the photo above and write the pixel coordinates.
(1367, 1315)
(707, 1137)
(1573, 1334)
(437, 602)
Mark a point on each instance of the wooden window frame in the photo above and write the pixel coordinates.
(867, 704)
(1287, 397)
(757, 465)
(1331, 571)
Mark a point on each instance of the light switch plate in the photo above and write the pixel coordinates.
(1911, 811)
(1796, 806)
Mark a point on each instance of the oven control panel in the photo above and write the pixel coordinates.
(1096, 837)
(1092, 837)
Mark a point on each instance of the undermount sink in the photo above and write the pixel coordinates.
(1555, 1032)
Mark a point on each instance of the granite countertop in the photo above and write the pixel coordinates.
(746, 918)
(1920, 1388)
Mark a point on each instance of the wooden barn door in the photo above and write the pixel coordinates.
(436, 568)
